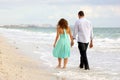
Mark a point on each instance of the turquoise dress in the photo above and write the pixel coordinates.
(62, 47)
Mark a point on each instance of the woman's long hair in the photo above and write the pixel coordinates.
(62, 23)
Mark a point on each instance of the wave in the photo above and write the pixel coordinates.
(36, 37)
(30, 34)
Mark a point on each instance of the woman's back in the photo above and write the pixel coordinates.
(62, 48)
(61, 31)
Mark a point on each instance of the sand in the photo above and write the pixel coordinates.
(15, 66)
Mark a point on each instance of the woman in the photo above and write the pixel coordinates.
(62, 42)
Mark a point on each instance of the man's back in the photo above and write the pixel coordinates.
(84, 30)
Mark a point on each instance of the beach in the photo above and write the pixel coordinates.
(26, 54)
(14, 66)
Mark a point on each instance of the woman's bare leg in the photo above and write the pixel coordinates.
(59, 63)
(65, 62)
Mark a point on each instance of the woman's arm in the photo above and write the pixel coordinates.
(57, 36)
(71, 37)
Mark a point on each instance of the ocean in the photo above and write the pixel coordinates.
(37, 43)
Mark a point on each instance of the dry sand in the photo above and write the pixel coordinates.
(15, 66)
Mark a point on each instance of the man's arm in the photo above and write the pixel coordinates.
(91, 37)
(91, 44)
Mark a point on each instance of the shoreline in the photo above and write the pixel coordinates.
(15, 66)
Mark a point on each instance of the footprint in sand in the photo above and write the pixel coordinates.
(17, 48)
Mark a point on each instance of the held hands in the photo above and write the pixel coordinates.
(72, 43)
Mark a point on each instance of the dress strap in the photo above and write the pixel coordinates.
(64, 31)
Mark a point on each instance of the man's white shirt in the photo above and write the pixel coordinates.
(84, 30)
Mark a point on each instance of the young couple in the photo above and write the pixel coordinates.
(64, 40)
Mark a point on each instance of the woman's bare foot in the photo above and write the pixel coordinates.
(59, 66)
(64, 67)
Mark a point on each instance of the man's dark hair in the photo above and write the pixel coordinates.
(81, 13)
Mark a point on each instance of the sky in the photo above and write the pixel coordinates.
(101, 13)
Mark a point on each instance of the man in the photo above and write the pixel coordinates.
(85, 35)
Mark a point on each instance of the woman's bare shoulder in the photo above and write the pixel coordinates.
(68, 28)
(59, 30)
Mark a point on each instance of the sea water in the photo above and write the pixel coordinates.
(104, 57)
